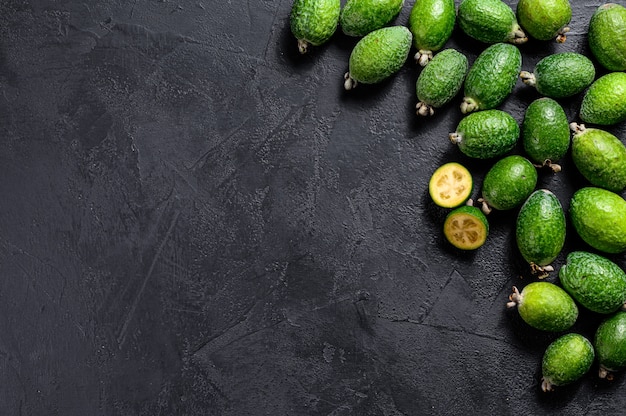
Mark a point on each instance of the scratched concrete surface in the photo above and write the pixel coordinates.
(197, 220)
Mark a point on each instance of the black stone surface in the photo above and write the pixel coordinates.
(197, 220)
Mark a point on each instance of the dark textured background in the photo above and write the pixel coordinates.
(197, 220)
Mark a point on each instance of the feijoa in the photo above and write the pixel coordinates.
(508, 183)
(466, 227)
(450, 185)
(360, 17)
(544, 306)
(566, 360)
(313, 22)
(545, 19)
(486, 134)
(604, 102)
(431, 22)
(490, 21)
(610, 344)
(606, 34)
(561, 75)
(440, 81)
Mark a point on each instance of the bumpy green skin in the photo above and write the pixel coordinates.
(547, 307)
(360, 17)
(489, 21)
(432, 22)
(486, 134)
(509, 182)
(604, 102)
(610, 344)
(606, 34)
(594, 281)
(441, 80)
(492, 77)
(562, 75)
(544, 19)
(598, 216)
(545, 131)
(540, 228)
(600, 157)
(566, 360)
(380, 54)
(314, 21)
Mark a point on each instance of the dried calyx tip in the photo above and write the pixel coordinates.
(576, 128)
(349, 83)
(514, 298)
(468, 105)
(423, 57)
(484, 207)
(519, 36)
(423, 109)
(561, 37)
(455, 137)
(303, 46)
(528, 78)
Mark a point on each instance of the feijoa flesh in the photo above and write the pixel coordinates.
(450, 185)
(610, 344)
(566, 360)
(466, 227)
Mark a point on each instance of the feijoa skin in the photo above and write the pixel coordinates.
(545, 19)
(490, 21)
(561, 75)
(378, 55)
(431, 22)
(508, 183)
(440, 81)
(486, 134)
(360, 17)
(545, 132)
(600, 157)
(544, 306)
(566, 360)
(599, 217)
(610, 344)
(313, 22)
(604, 102)
(594, 281)
(606, 34)
(491, 78)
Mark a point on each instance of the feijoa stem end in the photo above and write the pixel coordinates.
(561, 37)
(528, 78)
(555, 167)
(455, 137)
(423, 109)
(514, 298)
(541, 272)
(484, 207)
(518, 35)
(303, 46)
(546, 385)
(576, 128)
(423, 57)
(468, 105)
(349, 83)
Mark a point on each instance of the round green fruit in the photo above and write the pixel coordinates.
(544, 306)
(313, 22)
(486, 134)
(606, 35)
(545, 132)
(566, 360)
(610, 344)
(508, 183)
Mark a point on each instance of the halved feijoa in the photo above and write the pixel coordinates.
(450, 185)
(466, 227)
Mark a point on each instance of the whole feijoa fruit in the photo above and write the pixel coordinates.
(544, 306)
(313, 22)
(492, 77)
(606, 34)
(490, 21)
(599, 217)
(600, 157)
(440, 81)
(545, 132)
(508, 183)
(431, 22)
(566, 360)
(545, 19)
(360, 17)
(594, 281)
(604, 101)
(378, 55)
(466, 227)
(610, 344)
(561, 75)
(486, 134)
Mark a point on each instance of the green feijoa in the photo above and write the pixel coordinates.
(540, 230)
(545, 132)
(594, 281)
(561, 75)
(490, 21)
(545, 19)
(606, 34)
(600, 157)
(544, 306)
(604, 101)
(431, 22)
(492, 77)
(360, 17)
(598, 216)
(610, 344)
(508, 183)
(378, 55)
(486, 134)
(440, 81)
(313, 22)
(566, 360)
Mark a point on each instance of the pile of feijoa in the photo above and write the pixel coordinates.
(597, 211)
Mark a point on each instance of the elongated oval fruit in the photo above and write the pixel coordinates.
(594, 281)
(610, 344)
(440, 81)
(490, 21)
(492, 77)
(313, 22)
(566, 360)
(540, 230)
(604, 101)
(360, 17)
(486, 134)
(561, 75)
(466, 227)
(450, 185)
(606, 34)
(431, 22)
(508, 183)
(378, 55)
(545, 132)
(598, 216)
(600, 157)
(544, 306)
(545, 19)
